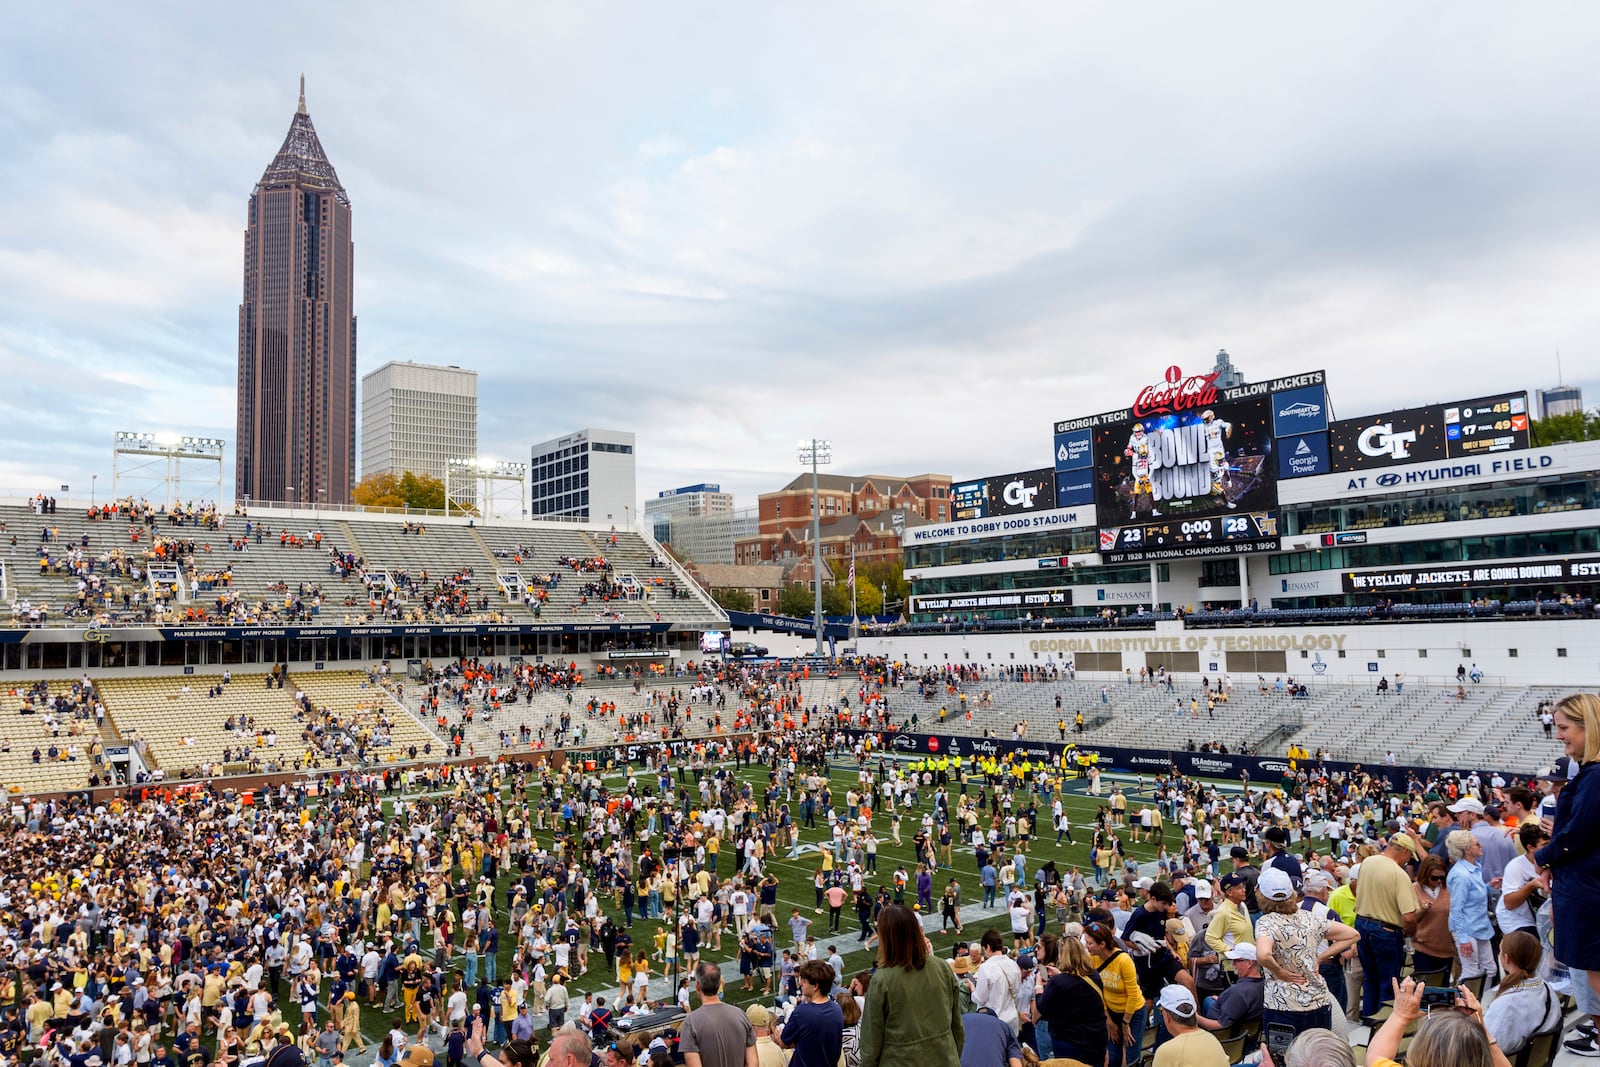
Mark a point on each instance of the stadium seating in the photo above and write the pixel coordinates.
(363, 706)
(21, 733)
(185, 730)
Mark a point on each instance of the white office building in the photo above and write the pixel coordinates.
(417, 417)
(699, 522)
(586, 475)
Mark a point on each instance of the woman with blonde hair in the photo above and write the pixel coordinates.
(1469, 905)
(1445, 1039)
(1572, 857)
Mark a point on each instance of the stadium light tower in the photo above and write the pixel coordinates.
(817, 453)
(475, 484)
(151, 459)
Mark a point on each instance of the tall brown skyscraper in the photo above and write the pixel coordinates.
(297, 330)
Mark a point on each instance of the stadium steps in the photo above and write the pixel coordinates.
(356, 699)
(346, 529)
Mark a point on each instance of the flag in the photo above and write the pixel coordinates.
(851, 581)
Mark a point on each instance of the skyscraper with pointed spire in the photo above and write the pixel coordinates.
(297, 330)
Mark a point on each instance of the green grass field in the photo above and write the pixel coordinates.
(796, 889)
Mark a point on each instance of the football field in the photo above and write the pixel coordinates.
(796, 887)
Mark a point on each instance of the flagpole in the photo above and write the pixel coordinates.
(853, 615)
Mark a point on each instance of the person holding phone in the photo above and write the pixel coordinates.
(1452, 1035)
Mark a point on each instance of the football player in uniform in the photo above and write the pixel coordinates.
(1138, 451)
(1217, 431)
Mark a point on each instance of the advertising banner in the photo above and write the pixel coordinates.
(1473, 575)
(1300, 411)
(1303, 456)
(1229, 767)
(1074, 450)
(1075, 488)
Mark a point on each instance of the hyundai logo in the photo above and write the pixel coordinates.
(1388, 479)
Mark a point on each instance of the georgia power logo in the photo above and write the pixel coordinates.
(1301, 410)
(1381, 440)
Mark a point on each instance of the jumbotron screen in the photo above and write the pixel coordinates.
(1196, 479)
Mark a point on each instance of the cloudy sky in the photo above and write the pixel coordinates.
(922, 231)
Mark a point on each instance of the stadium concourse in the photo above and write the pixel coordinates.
(338, 910)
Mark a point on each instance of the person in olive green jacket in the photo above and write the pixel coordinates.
(913, 1012)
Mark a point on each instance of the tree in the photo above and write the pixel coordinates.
(423, 492)
(734, 599)
(888, 576)
(379, 491)
(1577, 426)
(836, 598)
(419, 492)
(795, 601)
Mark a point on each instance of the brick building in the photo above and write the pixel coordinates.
(868, 511)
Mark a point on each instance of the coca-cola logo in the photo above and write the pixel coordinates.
(933, 744)
(1177, 393)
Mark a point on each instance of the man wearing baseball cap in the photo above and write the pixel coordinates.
(1243, 1001)
(1189, 1046)
(1275, 843)
(1386, 912)
(768, 1054)
(1230, 922)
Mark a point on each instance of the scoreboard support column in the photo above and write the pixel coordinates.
(1155, 591)
(1244, 581)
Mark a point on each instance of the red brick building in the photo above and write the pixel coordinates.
(868, 511)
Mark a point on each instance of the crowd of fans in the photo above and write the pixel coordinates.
(175, 923)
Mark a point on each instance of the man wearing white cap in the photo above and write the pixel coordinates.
(1189, 1046)
(1242, 1002)
(1204, 964)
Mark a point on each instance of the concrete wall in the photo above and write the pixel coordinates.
(1528, 652)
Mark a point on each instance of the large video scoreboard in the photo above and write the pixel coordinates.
(1190, 469)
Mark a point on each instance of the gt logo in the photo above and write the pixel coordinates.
(1020, 494)
(1381, 440)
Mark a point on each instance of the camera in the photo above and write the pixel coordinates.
(1436, 998)
(1279, 1036)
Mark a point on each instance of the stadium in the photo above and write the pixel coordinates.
(1219, 611)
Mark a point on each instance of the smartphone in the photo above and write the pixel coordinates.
(1437, 998)
(1279, 1037)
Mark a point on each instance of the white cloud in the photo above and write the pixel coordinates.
(924, 232)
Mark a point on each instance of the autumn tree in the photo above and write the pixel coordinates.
(419, 492)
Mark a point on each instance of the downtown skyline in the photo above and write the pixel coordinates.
(925, 238)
